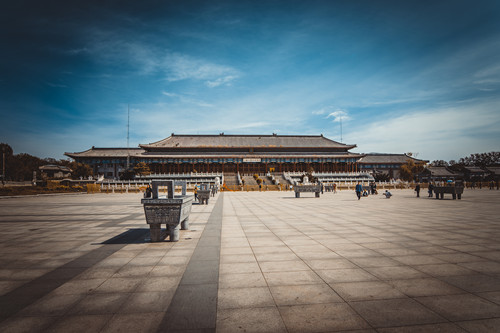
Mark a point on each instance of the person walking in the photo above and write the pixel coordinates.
(359, 190)
(417, 189)
(431, 188)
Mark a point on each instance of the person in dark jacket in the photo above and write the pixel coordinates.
(149, 192)
(431, 188)
(359, 190)
(417, 189)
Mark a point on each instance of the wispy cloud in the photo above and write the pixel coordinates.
(226, 80)
(259, 124)
(439, 133)
(186, 99)
(56, 85)
(169, 94)
(77, 51)
(490, 70)
(319, 112)
(183, 67)
(147, 59)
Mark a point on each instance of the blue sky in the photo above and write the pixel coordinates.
(404, 76)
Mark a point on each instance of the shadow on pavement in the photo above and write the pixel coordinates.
(131, 236)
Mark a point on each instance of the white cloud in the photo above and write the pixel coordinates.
(442, 133)
(169, 94)
(332, 112)
(338, 115)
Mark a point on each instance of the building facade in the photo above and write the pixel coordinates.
(244, 154)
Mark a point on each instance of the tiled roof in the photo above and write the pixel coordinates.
(141, 153)
(108, 152)
(474, 169)
(53, 167)
(246, 141)
(495, 170)
(388, 159)
(441, 172)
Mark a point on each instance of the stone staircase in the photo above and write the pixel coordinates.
(231, 179)
(249, 180)
(282, 179)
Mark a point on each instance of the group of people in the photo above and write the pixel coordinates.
(429, 189)
(363, 192)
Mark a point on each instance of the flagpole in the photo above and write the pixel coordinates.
(128, 129)
(341, 128)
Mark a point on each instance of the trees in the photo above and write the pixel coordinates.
(381, 177)
(128, 174)
(20, 167)
(439, 163)
(80, 170)
(142, 169)
(410, 169)
(481, 160)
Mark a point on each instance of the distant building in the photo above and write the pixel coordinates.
(494, 173)
(386, 163)
(438, 174)
(473, 173)
(51, 171)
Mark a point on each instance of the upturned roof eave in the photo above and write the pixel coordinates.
(83, 153)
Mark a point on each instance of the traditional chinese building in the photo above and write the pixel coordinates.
(438, 174)
(54, 171)
(246, 154)
(389, 164)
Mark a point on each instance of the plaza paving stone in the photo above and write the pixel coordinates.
(253, 262)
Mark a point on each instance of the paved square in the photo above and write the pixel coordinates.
(253, 262)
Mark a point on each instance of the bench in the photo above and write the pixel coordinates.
(173, 211)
